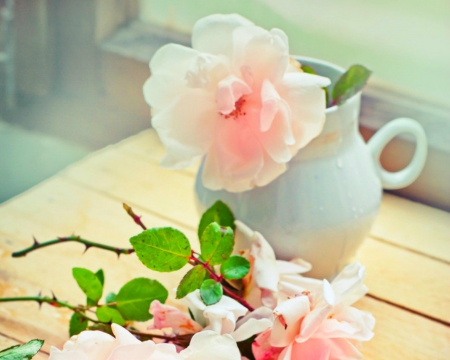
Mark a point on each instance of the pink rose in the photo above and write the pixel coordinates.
(236, 99)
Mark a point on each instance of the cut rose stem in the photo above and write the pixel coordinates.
(195, 261)
(136, 218)
(74, 238)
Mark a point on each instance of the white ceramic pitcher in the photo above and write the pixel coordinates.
(323, 206)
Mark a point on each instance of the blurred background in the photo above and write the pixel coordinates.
(71, 72)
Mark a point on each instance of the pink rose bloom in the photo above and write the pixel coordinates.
(166, 316)
(320, 326)
(235, 98)
(96, 345)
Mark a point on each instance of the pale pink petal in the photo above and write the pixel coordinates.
(349, 284)
(313, 321)
(304, 94)
(207, 345)
(328, 293)
(162, 352)
(296, 266)
(342, 349)
(229, 91)
(265, 52)
(234, 157)
(185, 129)
(168, 70)
(123, 336)
(288, 318)
(261, 348)
(312, 350)
(251, 327)
(165, 316)
(270, 171)
(141, 351)
(213, 34)
(56, 354)
(95, 344)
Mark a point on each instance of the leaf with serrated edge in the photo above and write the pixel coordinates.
(211, 291)
(216, 244)
(191, 281)
(219, 213)
(89, 283)
(109, 314)
(236, 267)
(162, 249)
(77, 324)
(22, 352)
(134, 298)
(350, 83)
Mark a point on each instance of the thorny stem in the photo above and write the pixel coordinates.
(195, 261)
(53, 301)
(182, 340)
(74, 238)
(136, 218)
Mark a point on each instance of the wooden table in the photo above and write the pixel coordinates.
(407, 253)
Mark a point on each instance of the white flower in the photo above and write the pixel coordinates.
(208, 345)
(270, 280)
(223, 316)
(235, 98)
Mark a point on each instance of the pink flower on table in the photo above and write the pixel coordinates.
(320, 326)
(96, 345)
(235, 98)
(166, 316)
(269, 280)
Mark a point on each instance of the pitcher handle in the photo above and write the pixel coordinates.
(402, 178)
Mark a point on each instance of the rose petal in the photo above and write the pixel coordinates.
(56, 354)
(213, 34)
(261, 348)
(207, 345)
(142, 351)
(229, 91)
(312, 322)
(185, 128)
(250, 328)
(304, 94)
(296, 266)
(349, 284)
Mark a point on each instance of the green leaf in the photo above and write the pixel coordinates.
(110, 298)
(236, 267)
(350, 83)
(308, 69)
(135, 297)
(77, 324)
(89, 283)
(219, 213)
(162, 249)
(211, 291)
(111, 315)
(22, 352)
(106, 328)
(216, 243)
(191, 281)
(101, 276)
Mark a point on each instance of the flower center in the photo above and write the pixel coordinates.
(238, 110)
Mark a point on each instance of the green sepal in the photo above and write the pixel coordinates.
(216, 243)
(22, 352)
(110, 298)
(308, 69)
(134, 298)
(77, 324)
(236, 267)
(211, 291)
(110, 315)
(219, 213)
(162, 249)
(191, 281)
(89, 283)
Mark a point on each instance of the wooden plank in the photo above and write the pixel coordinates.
(6, 342)
(163, 192)
(414, 226)
(400, 334)
(407, 278)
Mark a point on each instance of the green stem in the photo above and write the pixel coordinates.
(87, 243)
